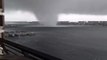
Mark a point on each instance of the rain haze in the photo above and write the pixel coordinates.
(83, 40)
(48, 12)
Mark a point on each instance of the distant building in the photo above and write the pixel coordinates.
(103, 23)
(63, 23)
(93, 23)
(82, 22)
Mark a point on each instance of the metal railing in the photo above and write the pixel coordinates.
(18, 49)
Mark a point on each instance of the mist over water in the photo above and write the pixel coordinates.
(48, 20)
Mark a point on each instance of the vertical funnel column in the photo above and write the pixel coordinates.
(1, 26)
(48, 20)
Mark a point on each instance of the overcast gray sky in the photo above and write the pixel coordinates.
(64, 6)
(49, 8)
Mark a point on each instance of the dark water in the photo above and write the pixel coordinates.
(67, 43)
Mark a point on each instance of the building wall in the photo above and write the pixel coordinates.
(1, 18)
(1, 27)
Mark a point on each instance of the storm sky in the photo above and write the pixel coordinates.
(47, 11)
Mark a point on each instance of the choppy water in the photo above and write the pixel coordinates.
(67, 43)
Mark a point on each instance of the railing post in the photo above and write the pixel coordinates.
(2, 25)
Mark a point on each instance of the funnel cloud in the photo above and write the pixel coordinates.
(47, 10)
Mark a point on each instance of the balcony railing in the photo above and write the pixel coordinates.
(17, 49)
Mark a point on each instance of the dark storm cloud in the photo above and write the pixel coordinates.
(47, 10)
(66, 6)
(87, 7)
